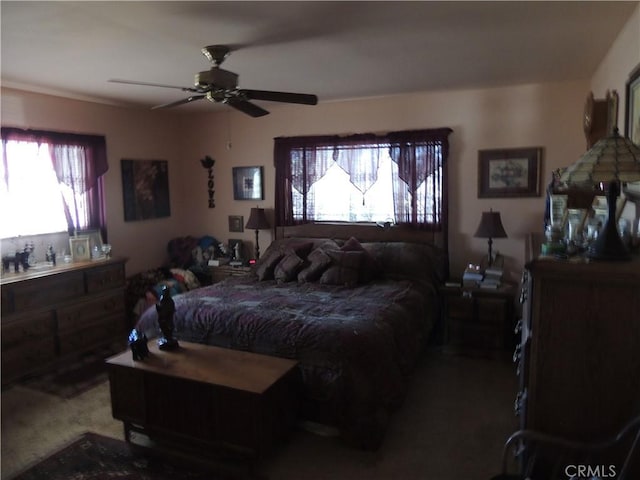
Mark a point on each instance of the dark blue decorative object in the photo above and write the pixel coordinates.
(138, 344)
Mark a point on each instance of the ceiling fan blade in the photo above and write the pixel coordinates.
(180, 102)
(286, 97)
(148, 84)
(246, 107)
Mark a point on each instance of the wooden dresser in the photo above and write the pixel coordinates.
(59, 312)
(579, 356)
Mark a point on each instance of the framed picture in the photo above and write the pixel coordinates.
(145, 189)
(509, 172)
(632, 125)
(80, 250)
(558, 209)
(247, 183)
(236, 223)
(600, 206)
(95, 239)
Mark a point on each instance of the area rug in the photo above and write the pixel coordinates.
(94, 457)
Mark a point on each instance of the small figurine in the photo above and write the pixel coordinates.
(166, 309)
(138, 345)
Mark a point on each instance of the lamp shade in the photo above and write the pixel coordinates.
(257, 220)
(490, 226)
(611, 159)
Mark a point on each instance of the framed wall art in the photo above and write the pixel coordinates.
(80, 251)
(95, 239)
(145, 189)
(509, 172)
(248, 183)
(632, 110)
(236, 223)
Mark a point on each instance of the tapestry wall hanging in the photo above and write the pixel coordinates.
(145, 188)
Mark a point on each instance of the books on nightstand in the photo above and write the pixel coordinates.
(472, 276)
(492, 277)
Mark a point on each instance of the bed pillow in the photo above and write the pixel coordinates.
(344, 268)
(317, 262)
(267, 264)
(288, 267)
(409, 261)
(369, 267)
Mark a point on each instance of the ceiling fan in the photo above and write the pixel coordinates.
(221, 86)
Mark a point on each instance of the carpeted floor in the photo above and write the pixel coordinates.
(455, 419)
(92, 457)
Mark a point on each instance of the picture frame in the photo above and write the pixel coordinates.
(236, 223)
(95, 239)
(558, 209)
(632, 106)
(509, 172)
(248, 183)
(79, 247)
(145, 189)
(600, 207)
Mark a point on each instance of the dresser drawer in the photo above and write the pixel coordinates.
(47, 291)
(105, 278)
(72, 342)
(19, 360)
(492, 310)
(220, 273)
(460, 307)
(90, 312)
(21, 330)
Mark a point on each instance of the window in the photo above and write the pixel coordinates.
(397, 177)
(50, 182)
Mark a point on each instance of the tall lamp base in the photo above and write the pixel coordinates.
(608, 246)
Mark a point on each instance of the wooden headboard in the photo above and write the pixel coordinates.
(363, 232)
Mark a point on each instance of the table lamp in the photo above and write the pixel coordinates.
(490, 227)
(257, 221)
(611, 160)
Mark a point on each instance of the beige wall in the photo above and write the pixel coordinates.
(623, 56)
(130, 133)
(545, 115)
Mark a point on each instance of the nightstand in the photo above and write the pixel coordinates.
(479, 321)
(220, 273)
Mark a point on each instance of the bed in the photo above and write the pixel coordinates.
(357, 323)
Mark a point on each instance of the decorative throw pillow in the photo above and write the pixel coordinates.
(318, 263)
(288, 267)
(344, 269)
(369, 267)
(264, 270)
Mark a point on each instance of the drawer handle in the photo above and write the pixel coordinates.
(523, 297)
(517, 405)
(517, 353)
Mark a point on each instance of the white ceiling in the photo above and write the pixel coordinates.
(336, 50)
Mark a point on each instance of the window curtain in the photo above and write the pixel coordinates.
(301, 161)
(79, 162)
(420, 154)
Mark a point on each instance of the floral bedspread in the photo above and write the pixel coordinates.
(356, 346)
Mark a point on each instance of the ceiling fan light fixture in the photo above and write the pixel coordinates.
(216, 53)
(218, 77)
(221, 86)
